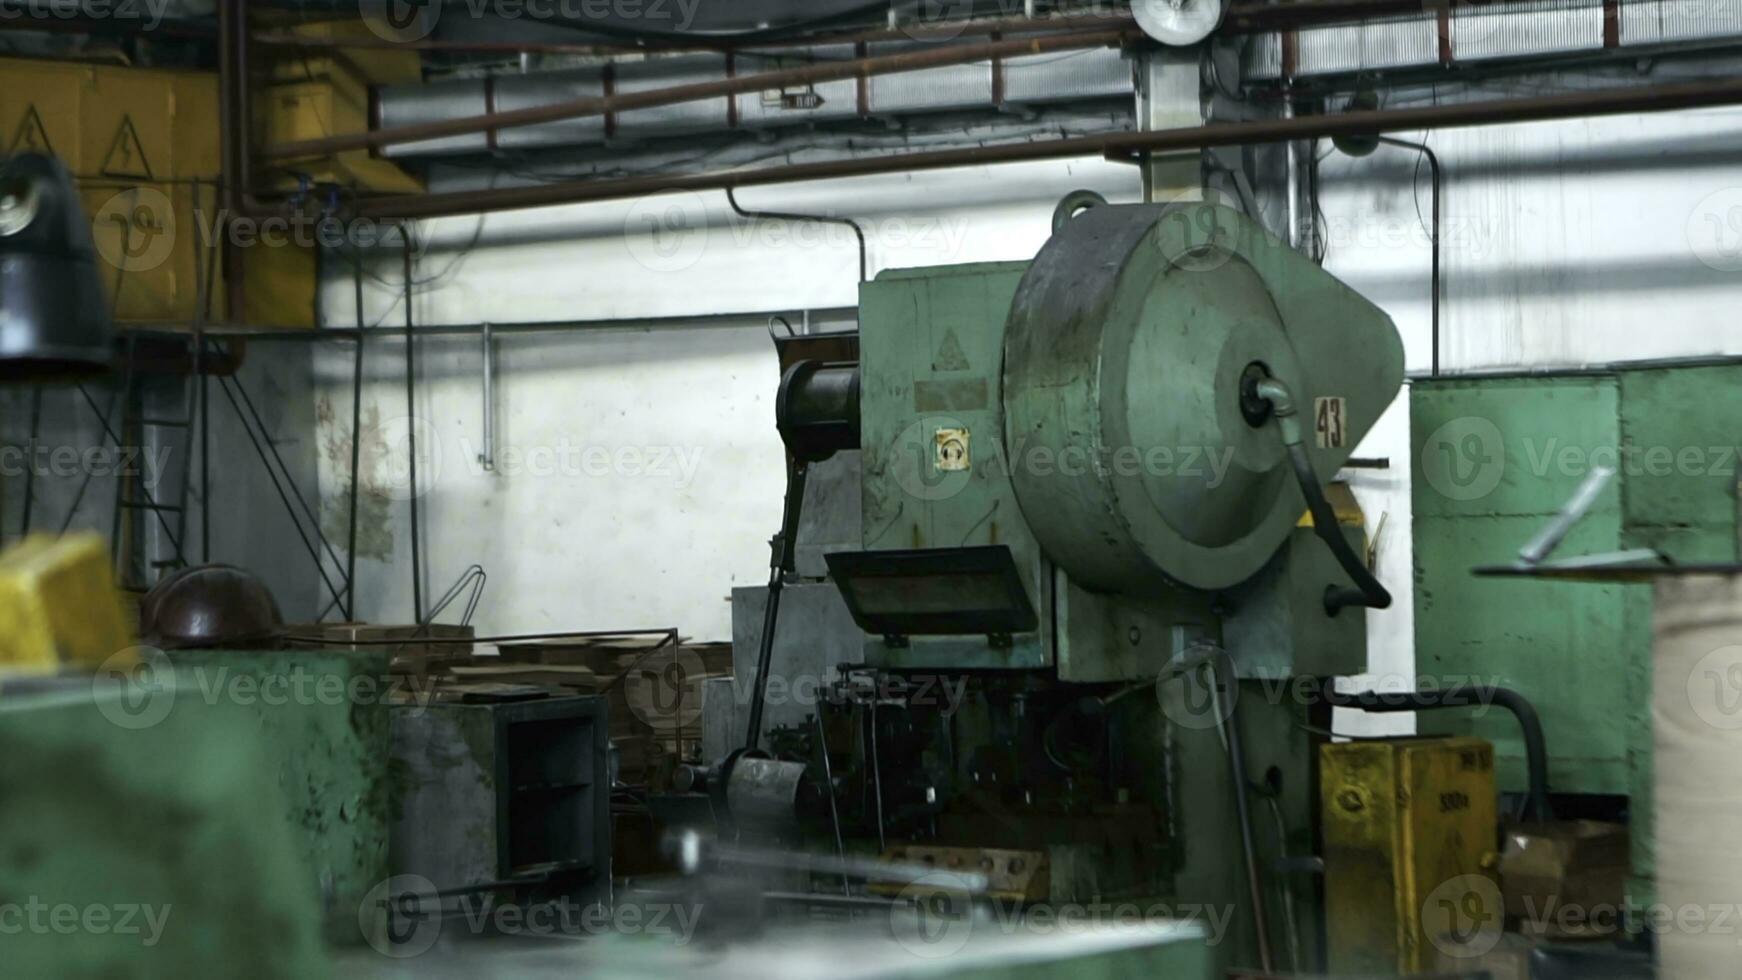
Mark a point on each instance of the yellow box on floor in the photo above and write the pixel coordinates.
(1410, 843)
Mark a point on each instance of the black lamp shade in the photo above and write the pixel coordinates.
(54, 316)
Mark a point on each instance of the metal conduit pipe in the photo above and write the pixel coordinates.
(906, 61)
(1124, 145)
(859, 232)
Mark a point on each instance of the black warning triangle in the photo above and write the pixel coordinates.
(31, 136)
(950, 356)
(126, 157)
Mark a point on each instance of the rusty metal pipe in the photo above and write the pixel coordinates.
(907, 61)
(1122, 145)
(1256, 18)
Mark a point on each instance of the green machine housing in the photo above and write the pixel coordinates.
(1071, 488)
(1058, 470)
(1496, 457)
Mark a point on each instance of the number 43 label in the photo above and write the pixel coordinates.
(1331, 420)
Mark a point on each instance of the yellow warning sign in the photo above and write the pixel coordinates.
(126, 156)
(31, 136)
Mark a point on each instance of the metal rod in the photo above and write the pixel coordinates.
(356, 443)
(1433, 162)
(295, 492)
(942, 30)
(876, 774)
(487, 457)
(782, 560)
(1121, 145)
(411, 432)
(670, 634)
(314, 553)
(834, 808)
(1255, 18)
(906, 61)
(203, 273)
(103, 416)
(1556, 530)
(843, 313)
(1222, 673)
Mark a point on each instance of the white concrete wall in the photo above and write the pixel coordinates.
(1564, 243)
(574, 535)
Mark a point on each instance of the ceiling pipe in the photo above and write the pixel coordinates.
(943, 31)
(907, 61)
(1257, 18)
(1128, 146)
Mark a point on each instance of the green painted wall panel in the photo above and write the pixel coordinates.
(1681, 429)
(1493, 457)
(1509, 446)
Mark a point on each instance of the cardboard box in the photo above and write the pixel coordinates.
(1565, 880)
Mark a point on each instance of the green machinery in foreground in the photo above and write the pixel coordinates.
(1084, 481)
(145, 838)
(1495, 457)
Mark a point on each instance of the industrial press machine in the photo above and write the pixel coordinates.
(1102, 586)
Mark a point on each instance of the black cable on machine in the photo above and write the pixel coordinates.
(864, 251)
(1265, 399)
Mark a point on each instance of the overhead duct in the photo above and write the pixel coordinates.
(1004, 84)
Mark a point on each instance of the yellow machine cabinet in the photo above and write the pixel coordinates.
(1409, 840)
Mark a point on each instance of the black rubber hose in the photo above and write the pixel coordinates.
(1257, 389)
(1535, 744)
(1368, 591)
